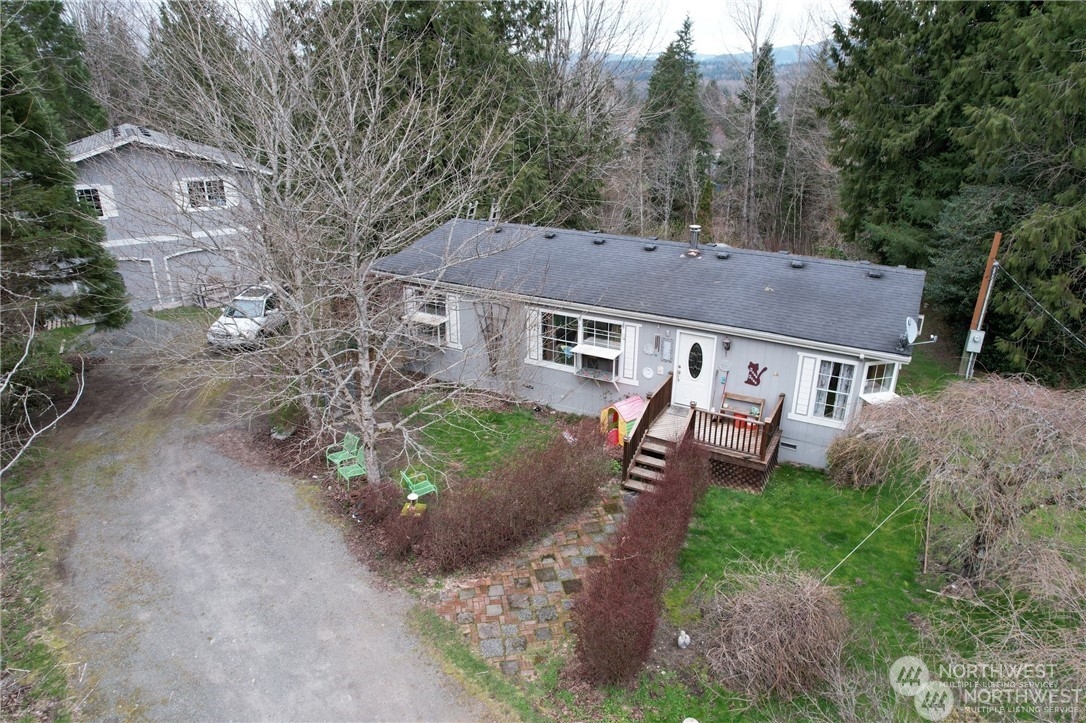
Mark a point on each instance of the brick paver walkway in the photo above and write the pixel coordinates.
(513, 615)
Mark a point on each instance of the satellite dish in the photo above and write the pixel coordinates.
(910, 329)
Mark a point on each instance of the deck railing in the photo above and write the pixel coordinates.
(658, 401)
(736, 432)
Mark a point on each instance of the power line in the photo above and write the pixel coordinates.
(1042, 308)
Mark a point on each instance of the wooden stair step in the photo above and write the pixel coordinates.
(647, 461)
(646, 474)
(639, 486)
(655, 447)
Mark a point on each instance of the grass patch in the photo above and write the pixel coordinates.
(187, 313)
(473, 442)
(32, 662)
(801, 511)
(926, 372)
(479, 677)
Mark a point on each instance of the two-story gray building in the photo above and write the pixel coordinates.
(755, 354)
(178, 215)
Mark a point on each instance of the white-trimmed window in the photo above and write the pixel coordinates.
(590, 347)
(434, 318)
(879, 377)
(558, 336)
(824, 389)
(99, 198)
(207, 194)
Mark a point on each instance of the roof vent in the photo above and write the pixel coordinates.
(875, 274)
(595, 230)
(722, 254)
(497, 229)
(144, 131)
(865, 262)
(902, 266)
(655, 238)
(695, 233)
(599, 241)
(549, 234)
(783, 252)
(649, 247)
(797, 264)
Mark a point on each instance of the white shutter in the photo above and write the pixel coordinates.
(629, 353)
(452, 310)
(805, 384)
(410, 300)
(532, 333)
(109, 203)
(231, 188)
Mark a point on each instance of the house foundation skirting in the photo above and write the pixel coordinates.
(743, 474)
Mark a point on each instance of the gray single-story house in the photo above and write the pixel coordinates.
(177, 214)
(753, 353)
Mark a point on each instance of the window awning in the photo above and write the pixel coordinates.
(879, 397)
(421, 317)
(597, 351)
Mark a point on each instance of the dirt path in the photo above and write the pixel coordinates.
(196, 588)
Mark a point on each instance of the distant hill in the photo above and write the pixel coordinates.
(721, 68)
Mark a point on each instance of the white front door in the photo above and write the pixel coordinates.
(694, 370)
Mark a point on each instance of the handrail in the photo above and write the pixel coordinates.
(773, 425)
(658, 401)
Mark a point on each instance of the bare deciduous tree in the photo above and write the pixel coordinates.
(367, 138)
(992, 453)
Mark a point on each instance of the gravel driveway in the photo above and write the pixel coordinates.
(196, 588)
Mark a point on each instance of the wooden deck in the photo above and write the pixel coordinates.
(742, 448)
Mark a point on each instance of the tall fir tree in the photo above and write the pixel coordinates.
(944, 113)
(53, 262)
(674, 130)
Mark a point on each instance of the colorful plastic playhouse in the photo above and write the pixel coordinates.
(619, 419)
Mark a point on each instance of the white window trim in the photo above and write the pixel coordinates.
(105, 197)
(874, 363)
(415, 296)
(626, 352)
(797, 395)
(230, 189)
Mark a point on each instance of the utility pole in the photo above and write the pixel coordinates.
(975, 338)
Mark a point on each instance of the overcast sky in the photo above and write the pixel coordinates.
(715, 31)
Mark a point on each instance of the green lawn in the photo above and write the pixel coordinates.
(31, 652)
(927, 372)
(471, 443)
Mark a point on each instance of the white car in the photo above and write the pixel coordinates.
(251, 316)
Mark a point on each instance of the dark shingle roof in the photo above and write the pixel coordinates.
(827, 301)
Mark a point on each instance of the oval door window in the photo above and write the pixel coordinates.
(693, 364)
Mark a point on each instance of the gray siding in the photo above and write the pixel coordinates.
(773, 365)
(168, 252)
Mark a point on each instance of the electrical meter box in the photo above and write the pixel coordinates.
(974, 341)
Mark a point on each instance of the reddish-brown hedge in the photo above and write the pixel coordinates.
(520, 500)
(615, 617)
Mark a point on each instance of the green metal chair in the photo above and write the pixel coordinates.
(357, 468)
(418, 483)
(347, 450)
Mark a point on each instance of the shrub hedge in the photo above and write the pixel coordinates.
(520, 500)
(615, 617)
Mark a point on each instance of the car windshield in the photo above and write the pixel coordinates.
(245, 309)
